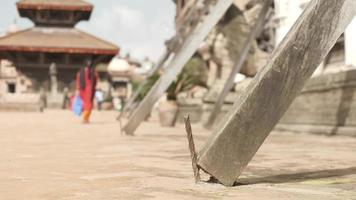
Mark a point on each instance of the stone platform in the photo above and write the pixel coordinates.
(327, 105)
(20, 103)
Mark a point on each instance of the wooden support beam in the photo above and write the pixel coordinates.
(239, 63)
(216, 10)
(157, 67)
(230, 149)
(172, 47)
(193, 153)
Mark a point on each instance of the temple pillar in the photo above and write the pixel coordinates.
(53, 77)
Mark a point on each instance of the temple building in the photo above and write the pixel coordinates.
(327, 105)
(55, 41)
(221, 49)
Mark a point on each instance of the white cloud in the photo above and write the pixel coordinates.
(128, 18)
(139, 31)
(137, 26)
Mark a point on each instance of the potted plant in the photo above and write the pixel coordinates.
(145, 88)
(193, 74)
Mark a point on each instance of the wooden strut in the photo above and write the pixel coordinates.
(239, 63)
(193, 153)
(189, 47)
(254, 115)
(177, 44)
(134, 97)
(165, 58)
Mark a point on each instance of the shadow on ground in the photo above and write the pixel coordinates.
(297, 177)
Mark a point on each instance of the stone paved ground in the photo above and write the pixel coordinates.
(53, 156)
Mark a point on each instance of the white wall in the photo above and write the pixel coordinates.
(288, 11)
(350, 44)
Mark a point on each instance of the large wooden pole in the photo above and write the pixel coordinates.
(254, 115)
(172, 47)
(134, 97)
(239, 63)
(216, 10)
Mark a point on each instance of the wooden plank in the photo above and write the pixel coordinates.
(239, 63)
(173, 46)
(134, 97)
(192, 43)
(193, 153)
(255, 114)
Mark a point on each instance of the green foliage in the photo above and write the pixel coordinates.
(193, 74)
(135, 84)
(147, 87)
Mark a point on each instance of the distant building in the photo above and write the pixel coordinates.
(327, 102)
(53, 40)
(284, 15)
(222, 48)
(124, 71)
(121, 72)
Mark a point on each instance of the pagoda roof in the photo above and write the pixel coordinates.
(56, 40)
(72, 5)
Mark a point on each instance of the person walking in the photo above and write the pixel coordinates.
(99, 97)
(86, 85)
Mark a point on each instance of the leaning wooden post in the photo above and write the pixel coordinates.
(154, 70)
(239, 63)
(191, 44)
(175, 45)
(254, 115)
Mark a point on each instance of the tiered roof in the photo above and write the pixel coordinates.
(56, 40)
(54, 30)
(73, 5)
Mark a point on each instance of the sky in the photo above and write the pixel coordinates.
(138, 27)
